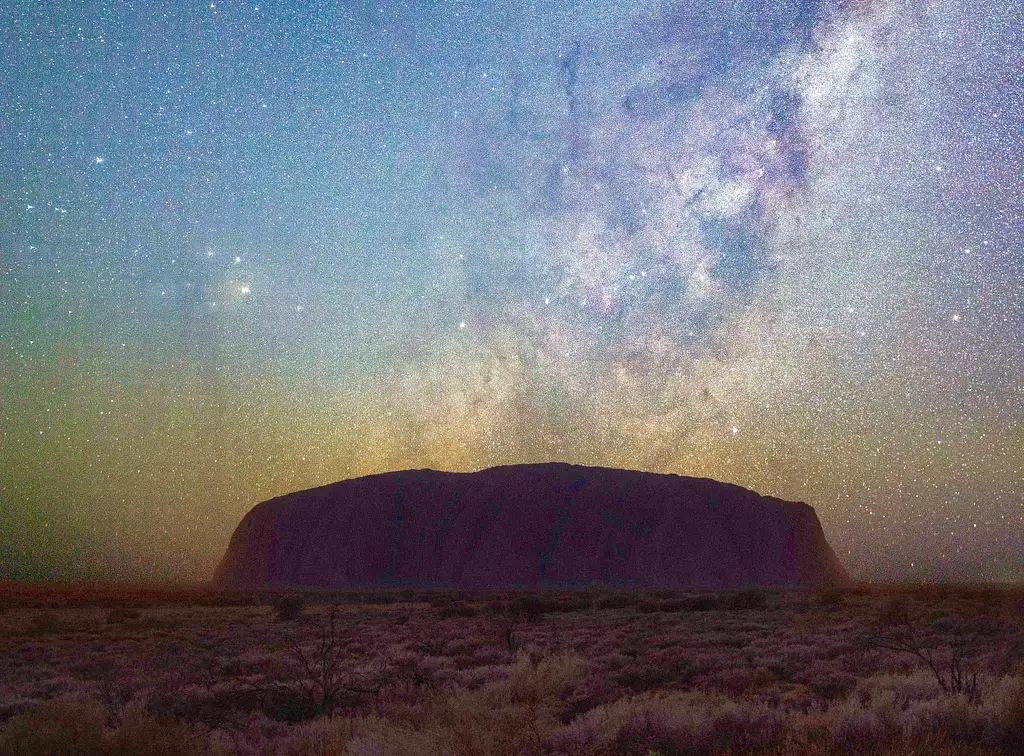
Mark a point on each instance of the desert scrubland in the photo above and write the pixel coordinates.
(107, 669)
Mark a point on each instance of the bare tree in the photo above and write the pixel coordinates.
(947, 647)
(324, 677)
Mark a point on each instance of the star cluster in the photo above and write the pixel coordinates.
(250, 248)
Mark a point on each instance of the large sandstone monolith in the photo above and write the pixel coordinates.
(529, 525)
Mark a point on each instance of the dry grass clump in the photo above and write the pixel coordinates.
(66, 726)
(72, 726)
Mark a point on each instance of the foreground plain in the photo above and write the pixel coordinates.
(114, 669)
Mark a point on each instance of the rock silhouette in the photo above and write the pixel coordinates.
(527, 526)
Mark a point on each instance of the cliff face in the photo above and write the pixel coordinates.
(529, 525)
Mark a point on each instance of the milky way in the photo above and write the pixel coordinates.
(251, 248)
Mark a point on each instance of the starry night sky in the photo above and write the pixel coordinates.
(248, 248)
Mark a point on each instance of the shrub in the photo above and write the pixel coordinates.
(641, 676)
(762, 678)
(76, 727)
(704, 603)
(457, 609)
(47, 624)
(289, 608)
(953, 717)
(852, 727)
(119, 615)
(748, 598)
(528, 606)
(227, 598)
(618, 600)
(551, 677)
(1013, 720)
(660, 605)
(894, 612)
(380, 597)
(145, 735)
(508, 615)
(831, 597)
(832, 685)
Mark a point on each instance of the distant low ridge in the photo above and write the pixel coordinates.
(529, 526)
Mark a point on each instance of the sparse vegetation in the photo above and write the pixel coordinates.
(881, 670)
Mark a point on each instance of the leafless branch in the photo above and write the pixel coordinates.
(948, 655)
(323, 677)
